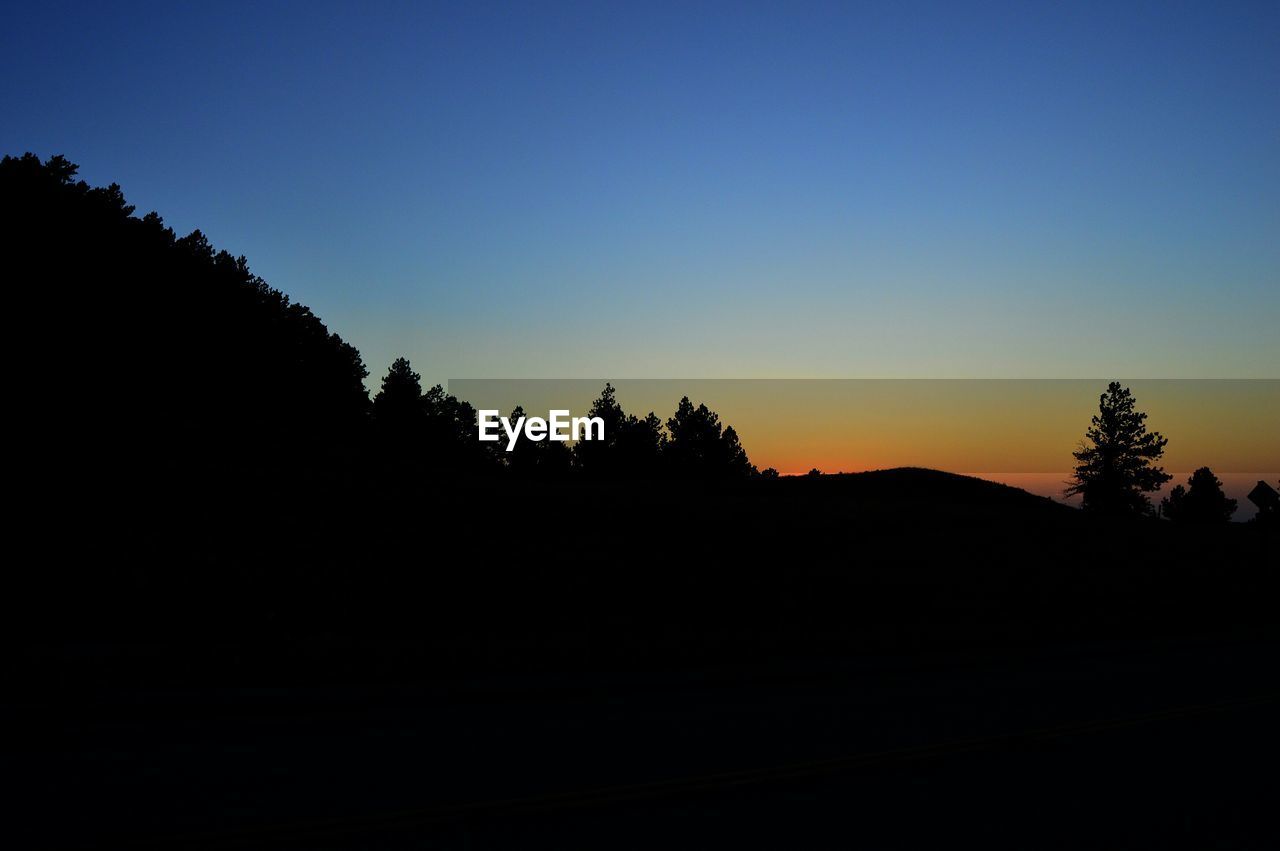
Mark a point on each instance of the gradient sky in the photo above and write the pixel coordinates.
(984, 426)
(733, 190)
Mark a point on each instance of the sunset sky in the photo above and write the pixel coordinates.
(698, 189)
(992, 426)
(1020, 432)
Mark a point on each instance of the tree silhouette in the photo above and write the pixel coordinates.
(399, 425)
(399, 403)
(451, 434)
(632, 447)
(1202, 502)
(535, 459)
(213, 379)
(428, 433)
(1116, 469)
(700, 447)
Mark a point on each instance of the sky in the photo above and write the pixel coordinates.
(698, 189)
(993, 426)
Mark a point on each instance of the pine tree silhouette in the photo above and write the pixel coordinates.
(1201, 502)
(1116, 469)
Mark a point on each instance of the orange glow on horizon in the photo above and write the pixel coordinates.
(1000, 426)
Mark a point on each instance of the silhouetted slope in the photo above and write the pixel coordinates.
(157, 360)
(923, 492)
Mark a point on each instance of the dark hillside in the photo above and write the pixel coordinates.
(926, 493)
(575, 576)
(158, 362)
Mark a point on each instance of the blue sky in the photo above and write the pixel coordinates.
(729, 190)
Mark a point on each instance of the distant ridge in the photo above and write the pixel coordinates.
(926, 490)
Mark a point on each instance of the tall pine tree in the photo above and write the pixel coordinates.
(1116, 466)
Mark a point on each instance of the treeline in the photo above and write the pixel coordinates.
(168, 363)
(166, 366)
(161, 360)
(431, 430)
(1117, 466)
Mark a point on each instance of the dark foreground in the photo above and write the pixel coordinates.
(895, 660)
(1129, 745)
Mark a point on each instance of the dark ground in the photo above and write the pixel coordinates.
(894, 660)
(1123, 745)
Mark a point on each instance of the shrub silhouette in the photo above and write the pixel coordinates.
(1116, 469)
(1202, 502)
